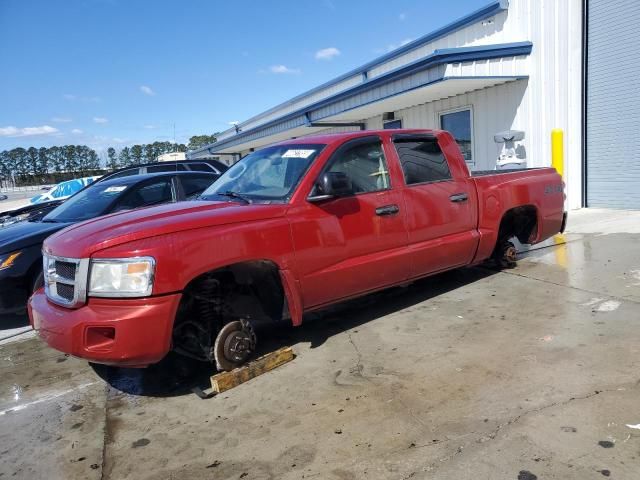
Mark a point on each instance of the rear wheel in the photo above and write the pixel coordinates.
(505, 255)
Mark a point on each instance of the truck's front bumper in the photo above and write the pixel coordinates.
(122, 332)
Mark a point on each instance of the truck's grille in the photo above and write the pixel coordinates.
(66, 269)
(65, 291)
(65, 280)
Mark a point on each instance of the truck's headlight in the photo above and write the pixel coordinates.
(7, 260)
(121, 277)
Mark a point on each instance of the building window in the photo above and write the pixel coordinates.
(393, 124)
(422, 160)
(460, 124)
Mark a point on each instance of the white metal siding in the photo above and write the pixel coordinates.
(495, 109)
(551, 98)
(496, 67)
(613, 105)
(553, 94)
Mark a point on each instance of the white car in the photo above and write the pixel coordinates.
(64, 190)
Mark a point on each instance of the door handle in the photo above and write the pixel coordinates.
(387, 210)
(459, 197)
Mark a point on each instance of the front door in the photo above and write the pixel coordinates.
(350, 245)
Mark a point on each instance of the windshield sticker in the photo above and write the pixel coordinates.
(298, 153)
(115, 189)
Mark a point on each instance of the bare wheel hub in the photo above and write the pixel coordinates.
(510, 254)
(234, 345)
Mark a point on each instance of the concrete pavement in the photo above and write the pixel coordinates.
(474, 374)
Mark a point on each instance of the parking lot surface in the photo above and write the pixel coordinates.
(527, 373)
(17, 198)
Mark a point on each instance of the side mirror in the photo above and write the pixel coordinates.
(332, 185)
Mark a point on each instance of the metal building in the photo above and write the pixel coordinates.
(612, 104)
(530, 65)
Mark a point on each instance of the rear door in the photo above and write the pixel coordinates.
(152, 192)
(350, 245)
(441, 212)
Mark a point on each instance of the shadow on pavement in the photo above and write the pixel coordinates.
(176, 375)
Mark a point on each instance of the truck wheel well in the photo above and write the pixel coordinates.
(520, 222)
(248, 290)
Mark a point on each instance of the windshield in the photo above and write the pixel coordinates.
(89, 203)
(270, 174)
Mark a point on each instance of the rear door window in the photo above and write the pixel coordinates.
(154, 193)
(422, 160)
(194, 185)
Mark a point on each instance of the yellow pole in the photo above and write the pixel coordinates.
(557, 150)
(557, 162)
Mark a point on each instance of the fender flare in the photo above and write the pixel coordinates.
(293, 296)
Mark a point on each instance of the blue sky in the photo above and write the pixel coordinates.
(117, 72)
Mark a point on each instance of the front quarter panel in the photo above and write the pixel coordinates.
(182, 256)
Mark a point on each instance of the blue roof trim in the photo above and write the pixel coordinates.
(489, 10)
(438, 57)
(439, 80)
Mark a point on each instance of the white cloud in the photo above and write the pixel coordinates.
(283, 69)
(100, 120)
(119, 140)
(61, 119)
(27, 131)
(402, 17)
(147, 90)
(77, 131)
(69, 96)
(150, 127)
(327, 53)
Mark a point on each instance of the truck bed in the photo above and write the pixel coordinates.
(482, 173)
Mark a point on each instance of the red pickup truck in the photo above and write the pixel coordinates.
(289, 229)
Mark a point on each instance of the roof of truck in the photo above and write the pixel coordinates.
(330, 138)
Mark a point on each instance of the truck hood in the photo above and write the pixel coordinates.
(85, 238)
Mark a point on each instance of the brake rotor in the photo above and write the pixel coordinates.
(510, 255)
(234, 345)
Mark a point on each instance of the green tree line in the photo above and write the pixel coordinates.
(148, 153)
(24, 166)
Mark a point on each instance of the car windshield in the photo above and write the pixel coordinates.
(89, 203)
(268, 175)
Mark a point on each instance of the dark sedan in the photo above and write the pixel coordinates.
(21, 243)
